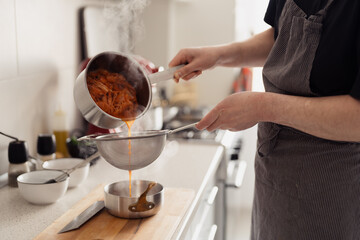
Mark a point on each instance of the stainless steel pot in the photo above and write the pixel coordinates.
(119, 203)
(133, 73)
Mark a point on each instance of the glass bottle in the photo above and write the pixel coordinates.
(61, 133)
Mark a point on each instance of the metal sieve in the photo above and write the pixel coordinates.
(146, 146)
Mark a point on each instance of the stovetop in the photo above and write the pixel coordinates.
(187, 116)
(230, 140)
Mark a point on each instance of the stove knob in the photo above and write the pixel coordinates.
(190, 134)
(234, 156)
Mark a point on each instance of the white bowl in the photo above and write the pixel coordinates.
(33, 188)
(76, 177)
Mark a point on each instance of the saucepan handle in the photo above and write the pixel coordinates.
(164, 75)
(182, 128)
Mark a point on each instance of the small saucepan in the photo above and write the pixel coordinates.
(146, 198)
(134, 74)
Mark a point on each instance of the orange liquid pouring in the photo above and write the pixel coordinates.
(129, 124)
(115, 96)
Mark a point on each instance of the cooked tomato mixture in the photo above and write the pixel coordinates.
(112, 93)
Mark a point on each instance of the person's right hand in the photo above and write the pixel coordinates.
(196, 60)
(236, 112)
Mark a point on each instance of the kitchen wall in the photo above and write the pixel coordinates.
(39, 62)
(172, 25)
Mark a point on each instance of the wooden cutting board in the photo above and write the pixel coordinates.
(105, 226)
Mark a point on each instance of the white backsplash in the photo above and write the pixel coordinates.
(39, 62)
(8, 65)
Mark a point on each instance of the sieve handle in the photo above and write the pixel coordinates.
(89, 137)
(182, 128)
(164, 75)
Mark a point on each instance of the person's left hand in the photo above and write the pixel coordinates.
(148, 66)
(236, 112)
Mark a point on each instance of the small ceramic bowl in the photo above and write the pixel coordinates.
(76, 177)
(33, 188)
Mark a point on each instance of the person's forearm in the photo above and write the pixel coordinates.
(334, 118)
(250, 53)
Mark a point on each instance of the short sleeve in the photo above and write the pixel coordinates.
(273, 13)
(355, 91)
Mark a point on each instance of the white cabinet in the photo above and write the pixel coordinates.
(208, 219)
(204, 224)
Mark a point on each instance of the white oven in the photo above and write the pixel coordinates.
(209, 221)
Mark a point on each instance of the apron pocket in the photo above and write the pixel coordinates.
(274, 163)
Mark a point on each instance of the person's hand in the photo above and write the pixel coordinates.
(148, 66)
(196, 60)
(236, 112)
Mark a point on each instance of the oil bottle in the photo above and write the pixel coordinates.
(61, 133)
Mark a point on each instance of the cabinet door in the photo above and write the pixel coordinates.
(204, 225)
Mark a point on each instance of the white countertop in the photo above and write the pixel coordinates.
(181, 164)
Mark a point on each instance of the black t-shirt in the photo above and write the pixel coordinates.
(336, 67)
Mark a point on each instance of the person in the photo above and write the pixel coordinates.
(307, 163)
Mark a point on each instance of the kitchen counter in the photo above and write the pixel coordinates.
(181, 164)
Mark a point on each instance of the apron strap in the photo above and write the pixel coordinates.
(320, 15)
(327, 6)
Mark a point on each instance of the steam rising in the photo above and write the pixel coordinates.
(123, 22)
(124, 25)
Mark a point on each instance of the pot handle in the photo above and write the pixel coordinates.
(164, 75)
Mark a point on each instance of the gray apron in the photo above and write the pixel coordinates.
(305, 187)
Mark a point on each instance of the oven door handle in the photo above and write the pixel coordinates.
(201, 223)
(212, 232)
(210, 201)
(236, 172)
(212, 195)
